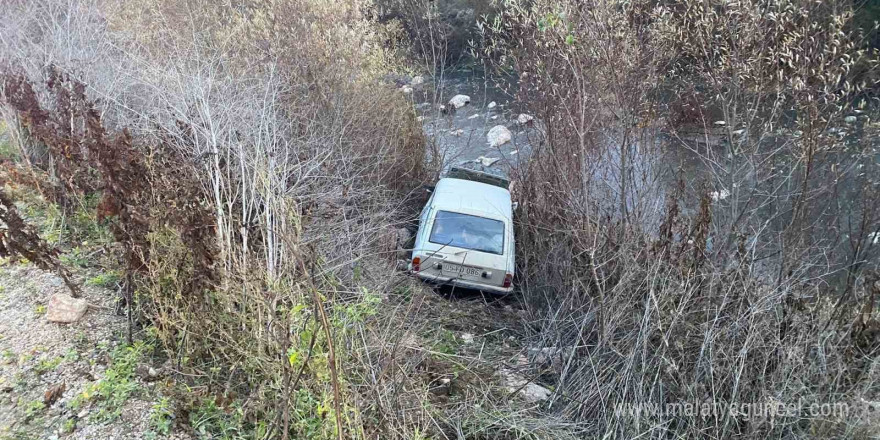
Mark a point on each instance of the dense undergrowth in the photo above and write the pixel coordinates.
(746, 283)
(237, 174)
(240, 179)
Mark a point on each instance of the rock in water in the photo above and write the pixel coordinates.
(524, 119)
(65, 308)
(492, 105)
(459, 101)
(498, 136)
(486, 161)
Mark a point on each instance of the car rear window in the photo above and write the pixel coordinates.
(468, 232)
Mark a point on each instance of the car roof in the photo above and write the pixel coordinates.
(469, 197)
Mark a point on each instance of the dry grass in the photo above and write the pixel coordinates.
(645, 289)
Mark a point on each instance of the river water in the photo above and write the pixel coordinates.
(458, 136)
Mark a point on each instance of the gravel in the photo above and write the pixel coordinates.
(37, 355)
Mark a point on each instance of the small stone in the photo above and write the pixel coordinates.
(719, 195)
(402, 265)
(417, 80)
(474, 116)
(720, 123)
(64, 308)
(850, 119)
(467, 338)
(492, 105)
(524, 119)
(82, 414)
(486, 161)
(152, 372)
(406, 90)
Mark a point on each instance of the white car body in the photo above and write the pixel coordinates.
(479, 252)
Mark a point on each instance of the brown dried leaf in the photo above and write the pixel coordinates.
(54, 393)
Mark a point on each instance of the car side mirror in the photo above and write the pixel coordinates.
(428, 188)
(515, 205)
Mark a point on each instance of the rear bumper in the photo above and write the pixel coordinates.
(464, 283)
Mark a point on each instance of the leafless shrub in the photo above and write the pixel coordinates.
(744, 288)
(248, 174)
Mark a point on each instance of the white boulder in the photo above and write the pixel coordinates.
(529, 391)
(64, 308)
(459, 101)
(498, 136)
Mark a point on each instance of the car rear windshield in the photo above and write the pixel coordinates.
(468, 232)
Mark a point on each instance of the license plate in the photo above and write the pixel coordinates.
(462, 270)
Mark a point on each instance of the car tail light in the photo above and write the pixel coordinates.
(508, 280)
(416, 264)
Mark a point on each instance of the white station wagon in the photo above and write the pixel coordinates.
(465, 233)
